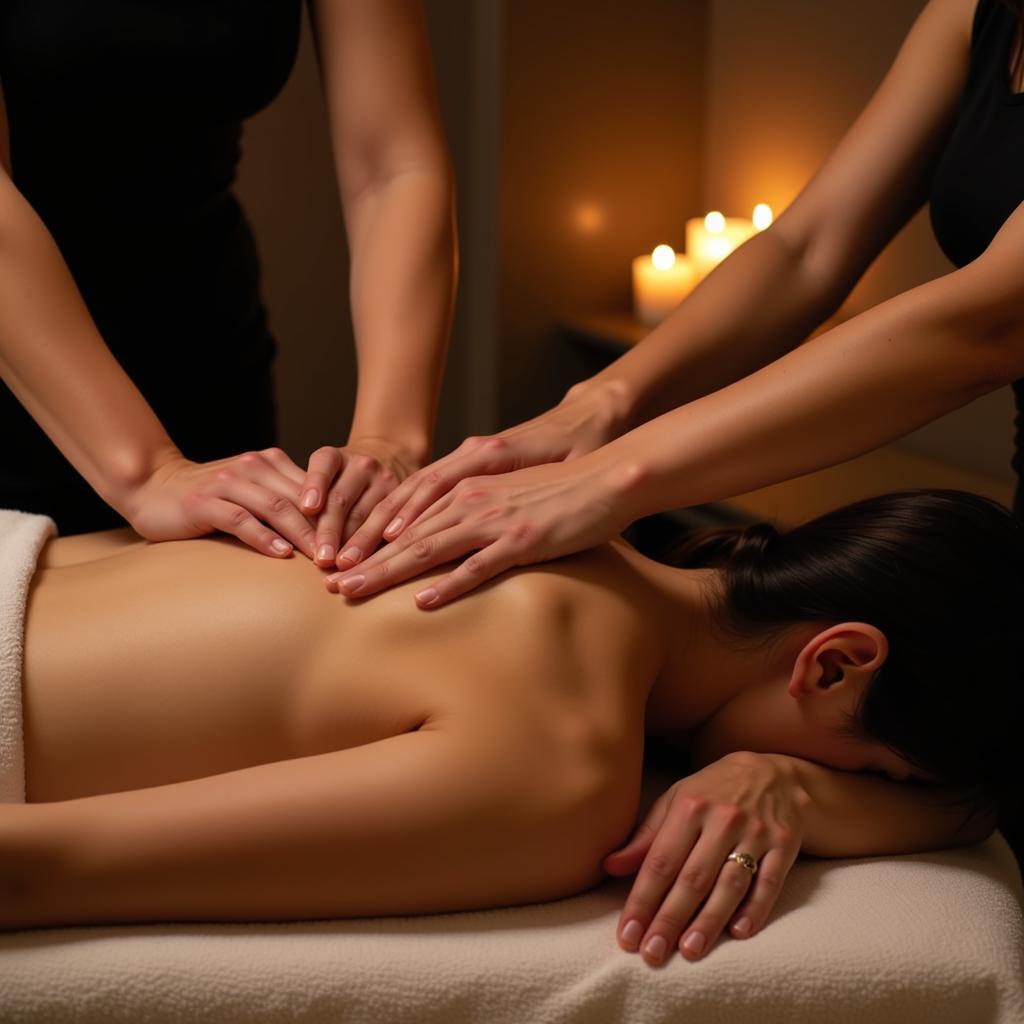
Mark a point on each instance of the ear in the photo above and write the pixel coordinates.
(837, 659)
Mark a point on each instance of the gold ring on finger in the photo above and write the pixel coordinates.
(744, 860)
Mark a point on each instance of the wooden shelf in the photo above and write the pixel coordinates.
(891, 468)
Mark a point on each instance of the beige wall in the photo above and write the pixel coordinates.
(601, 156)
(786, 78)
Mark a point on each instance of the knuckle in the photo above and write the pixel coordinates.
(522, 532)
(323, 452)
(474, 565)
(273, 453)
(366, 463)
(357, 515)
(339, 499)
(757, 829)
(422, 548)
(251, 458)
(772, 882)
(226, 475)
(661, 865)
(695, 877)
(238, 517)
(433, 477)
(783, 836)
(277, 505)
(388, 477)
(495, 444)
(692, 806)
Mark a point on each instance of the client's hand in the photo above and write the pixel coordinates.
(344, 485)
(744, 803)
(582, 422)
(253, 496)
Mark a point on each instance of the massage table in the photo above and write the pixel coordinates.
(936, 938)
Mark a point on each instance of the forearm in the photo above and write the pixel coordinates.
(863, 384)
(759, 303)
(402, 239)
(852, 815)
(53, 358)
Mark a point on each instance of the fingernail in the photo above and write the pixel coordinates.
(694, 943)
(427, 597)
(394, 526)
(655, 949)
(281, 545)
(311, 498)
(633, 933)
(352, 584)
(350, 555)
(325, 554)
(742, 927)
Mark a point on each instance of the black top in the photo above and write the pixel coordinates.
(979, 180)
(125, 124)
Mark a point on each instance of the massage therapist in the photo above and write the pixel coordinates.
(133, 328)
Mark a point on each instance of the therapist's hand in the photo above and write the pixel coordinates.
(532, 515)
(343, 485)
(686, 892)
(588, 417)
(254, 497)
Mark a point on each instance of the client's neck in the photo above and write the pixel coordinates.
(703, 670)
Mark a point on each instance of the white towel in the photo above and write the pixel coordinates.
(22, 536)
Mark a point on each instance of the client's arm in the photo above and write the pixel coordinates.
(773, 807)
(420, 822)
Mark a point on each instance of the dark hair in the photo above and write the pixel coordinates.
(941, 574)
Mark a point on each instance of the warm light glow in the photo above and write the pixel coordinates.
(663, 257)
(589, 218)
(762, 216)
(715, 222)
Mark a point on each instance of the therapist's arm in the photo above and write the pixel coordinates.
(397, 196)
(760, 302)
(54, 360)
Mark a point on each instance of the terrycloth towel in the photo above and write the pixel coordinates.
(930, 939)
(22, 536)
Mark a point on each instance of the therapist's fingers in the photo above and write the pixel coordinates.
(265, 504)
(421, 491)
(342, 497)
(323, 467)
(284, 465)
(363, 508)
(211, 513)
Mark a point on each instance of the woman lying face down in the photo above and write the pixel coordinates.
(209, 735)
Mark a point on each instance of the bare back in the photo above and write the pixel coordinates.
(154, 663)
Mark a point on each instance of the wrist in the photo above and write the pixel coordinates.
(129, 469)
(610, 398)
(412, 449)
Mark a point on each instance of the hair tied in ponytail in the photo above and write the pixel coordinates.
(754, 542)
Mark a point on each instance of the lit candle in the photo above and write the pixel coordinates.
(710, 239)
(661, 280)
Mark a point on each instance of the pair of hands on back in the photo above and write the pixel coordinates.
(256, 497)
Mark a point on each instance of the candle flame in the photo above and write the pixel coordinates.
(714, 222)
(663, 257)
(762, 216)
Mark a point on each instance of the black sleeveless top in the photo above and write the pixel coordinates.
(979, 180)
(125, 124)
